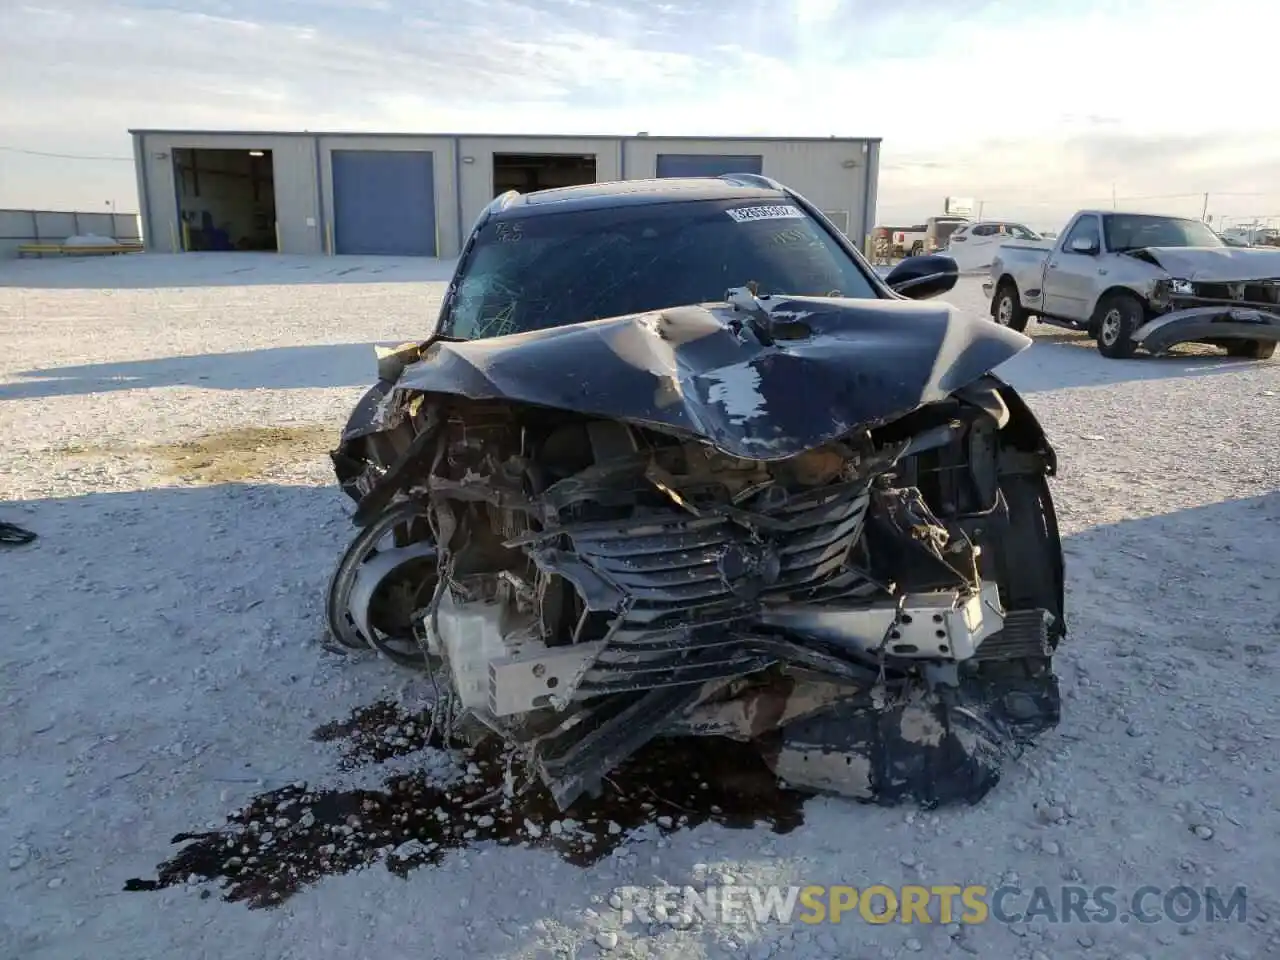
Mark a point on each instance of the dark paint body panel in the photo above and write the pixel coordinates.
(699, 371)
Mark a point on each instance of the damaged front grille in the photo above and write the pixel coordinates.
(1262, 293)
(685, 588)
(1183, 295)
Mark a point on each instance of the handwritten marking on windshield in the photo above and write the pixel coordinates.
(791, 235)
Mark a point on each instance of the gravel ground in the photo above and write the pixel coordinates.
(161, 667)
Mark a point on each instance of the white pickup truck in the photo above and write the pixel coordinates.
(1141, 280)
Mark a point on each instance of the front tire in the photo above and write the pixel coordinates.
(400, 647)
(1008, 310)
(1117, 317)
(1252, 349)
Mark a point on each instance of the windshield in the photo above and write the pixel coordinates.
(1132, 231)
(555, 269)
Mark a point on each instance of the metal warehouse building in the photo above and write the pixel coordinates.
(418, 194)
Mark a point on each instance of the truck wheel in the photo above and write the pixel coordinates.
(1117, 317)
(1008, 310)
(1252, 349)
(917, 248)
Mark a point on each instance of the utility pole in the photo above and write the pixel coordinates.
(981, 204)
(1205, 211)
(1113, 196)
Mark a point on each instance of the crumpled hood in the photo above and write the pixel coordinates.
(836, 365)
(1217, 264)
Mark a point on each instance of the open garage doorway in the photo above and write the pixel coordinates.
(226, 199)
(527, 172)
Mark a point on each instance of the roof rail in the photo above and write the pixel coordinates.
(751, 180)
(505, 199)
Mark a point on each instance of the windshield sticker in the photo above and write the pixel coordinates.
(781, 211)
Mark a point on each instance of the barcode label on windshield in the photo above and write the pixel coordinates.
(782, 211)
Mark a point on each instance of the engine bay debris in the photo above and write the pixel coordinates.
(835, 543)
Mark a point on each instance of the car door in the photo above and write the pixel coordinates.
(982, 249)
(957, 247)
(1070, 275)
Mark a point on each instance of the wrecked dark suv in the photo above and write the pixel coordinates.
(676, 461)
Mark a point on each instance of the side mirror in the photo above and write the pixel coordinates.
(1084, 245)
(920, 278)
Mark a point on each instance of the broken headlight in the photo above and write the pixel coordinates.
(1162, 290)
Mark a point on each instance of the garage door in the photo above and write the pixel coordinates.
(384, 202)
(706, 165)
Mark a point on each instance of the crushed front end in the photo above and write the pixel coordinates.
(1242, 316)
(877, 613)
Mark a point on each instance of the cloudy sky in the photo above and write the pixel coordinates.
(1034, 106)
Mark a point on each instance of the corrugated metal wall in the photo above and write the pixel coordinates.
(297, 192)
(51, 226)
(706, 164)
(832, 174)
(476, 163)
(838, 176)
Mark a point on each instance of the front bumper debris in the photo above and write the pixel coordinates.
(1208, 324)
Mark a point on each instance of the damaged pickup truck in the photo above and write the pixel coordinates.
(676, 461)
(1138, 280)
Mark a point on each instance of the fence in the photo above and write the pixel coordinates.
(52, 226)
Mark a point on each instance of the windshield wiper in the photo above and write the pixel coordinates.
(745, 298)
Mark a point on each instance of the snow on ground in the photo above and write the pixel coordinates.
(161, 666)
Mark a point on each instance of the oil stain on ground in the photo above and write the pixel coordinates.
(289, 838)
(240, 454)
(243, 453)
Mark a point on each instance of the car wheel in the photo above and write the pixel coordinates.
(1008, 310)
(1117, 317)
(1252, 349)
(917, 248)
(401, 648)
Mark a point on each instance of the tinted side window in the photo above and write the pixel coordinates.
(1085, 229)
(985, 230)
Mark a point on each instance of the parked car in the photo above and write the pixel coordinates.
(922, 238)
(674, 459)
(973, 245)
(1252, 236)
(1233, 240)
(1237, 237)
(1136, 280)
(937, 231)
(908, 241)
